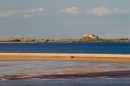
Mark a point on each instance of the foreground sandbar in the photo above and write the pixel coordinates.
(65, 56)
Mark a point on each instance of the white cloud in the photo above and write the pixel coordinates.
(105, 11)
(10, 13)
(27, 16)
(6, 14)
(99, 11)
(40, 9)
(116, 11)
(70, 10)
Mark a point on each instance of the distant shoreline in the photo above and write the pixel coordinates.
(84, 39)
(65, 57)
(56, 42)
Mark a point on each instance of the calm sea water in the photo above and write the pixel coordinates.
(97, 48)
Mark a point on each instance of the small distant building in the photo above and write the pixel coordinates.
(90, 36)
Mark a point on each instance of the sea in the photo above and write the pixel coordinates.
(86, 48)
(34, 68)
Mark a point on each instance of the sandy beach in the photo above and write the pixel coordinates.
(65, 56)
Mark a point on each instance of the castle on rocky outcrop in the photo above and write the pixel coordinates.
(90, 36)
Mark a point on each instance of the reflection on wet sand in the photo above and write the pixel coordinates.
(112, 74)
(22, 70)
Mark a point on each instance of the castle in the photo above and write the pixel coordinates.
(90, 36)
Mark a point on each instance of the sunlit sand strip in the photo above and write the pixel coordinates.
(65, 56)
(69, 54)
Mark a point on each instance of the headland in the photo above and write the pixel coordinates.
(84, 39)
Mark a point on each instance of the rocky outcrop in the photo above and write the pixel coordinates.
(90, 36)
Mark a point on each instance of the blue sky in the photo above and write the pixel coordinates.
(64, 18)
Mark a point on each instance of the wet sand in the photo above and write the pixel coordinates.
(111, 74)
(65, 57)
(42, 70)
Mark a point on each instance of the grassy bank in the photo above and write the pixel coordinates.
(80, 40)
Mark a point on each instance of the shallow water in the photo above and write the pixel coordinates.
(69, 82)
(24, 69)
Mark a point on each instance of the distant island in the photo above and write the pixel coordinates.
(84, 39)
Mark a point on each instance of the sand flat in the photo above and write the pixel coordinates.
(65, 56)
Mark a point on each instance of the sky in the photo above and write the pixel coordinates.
(64, 18)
